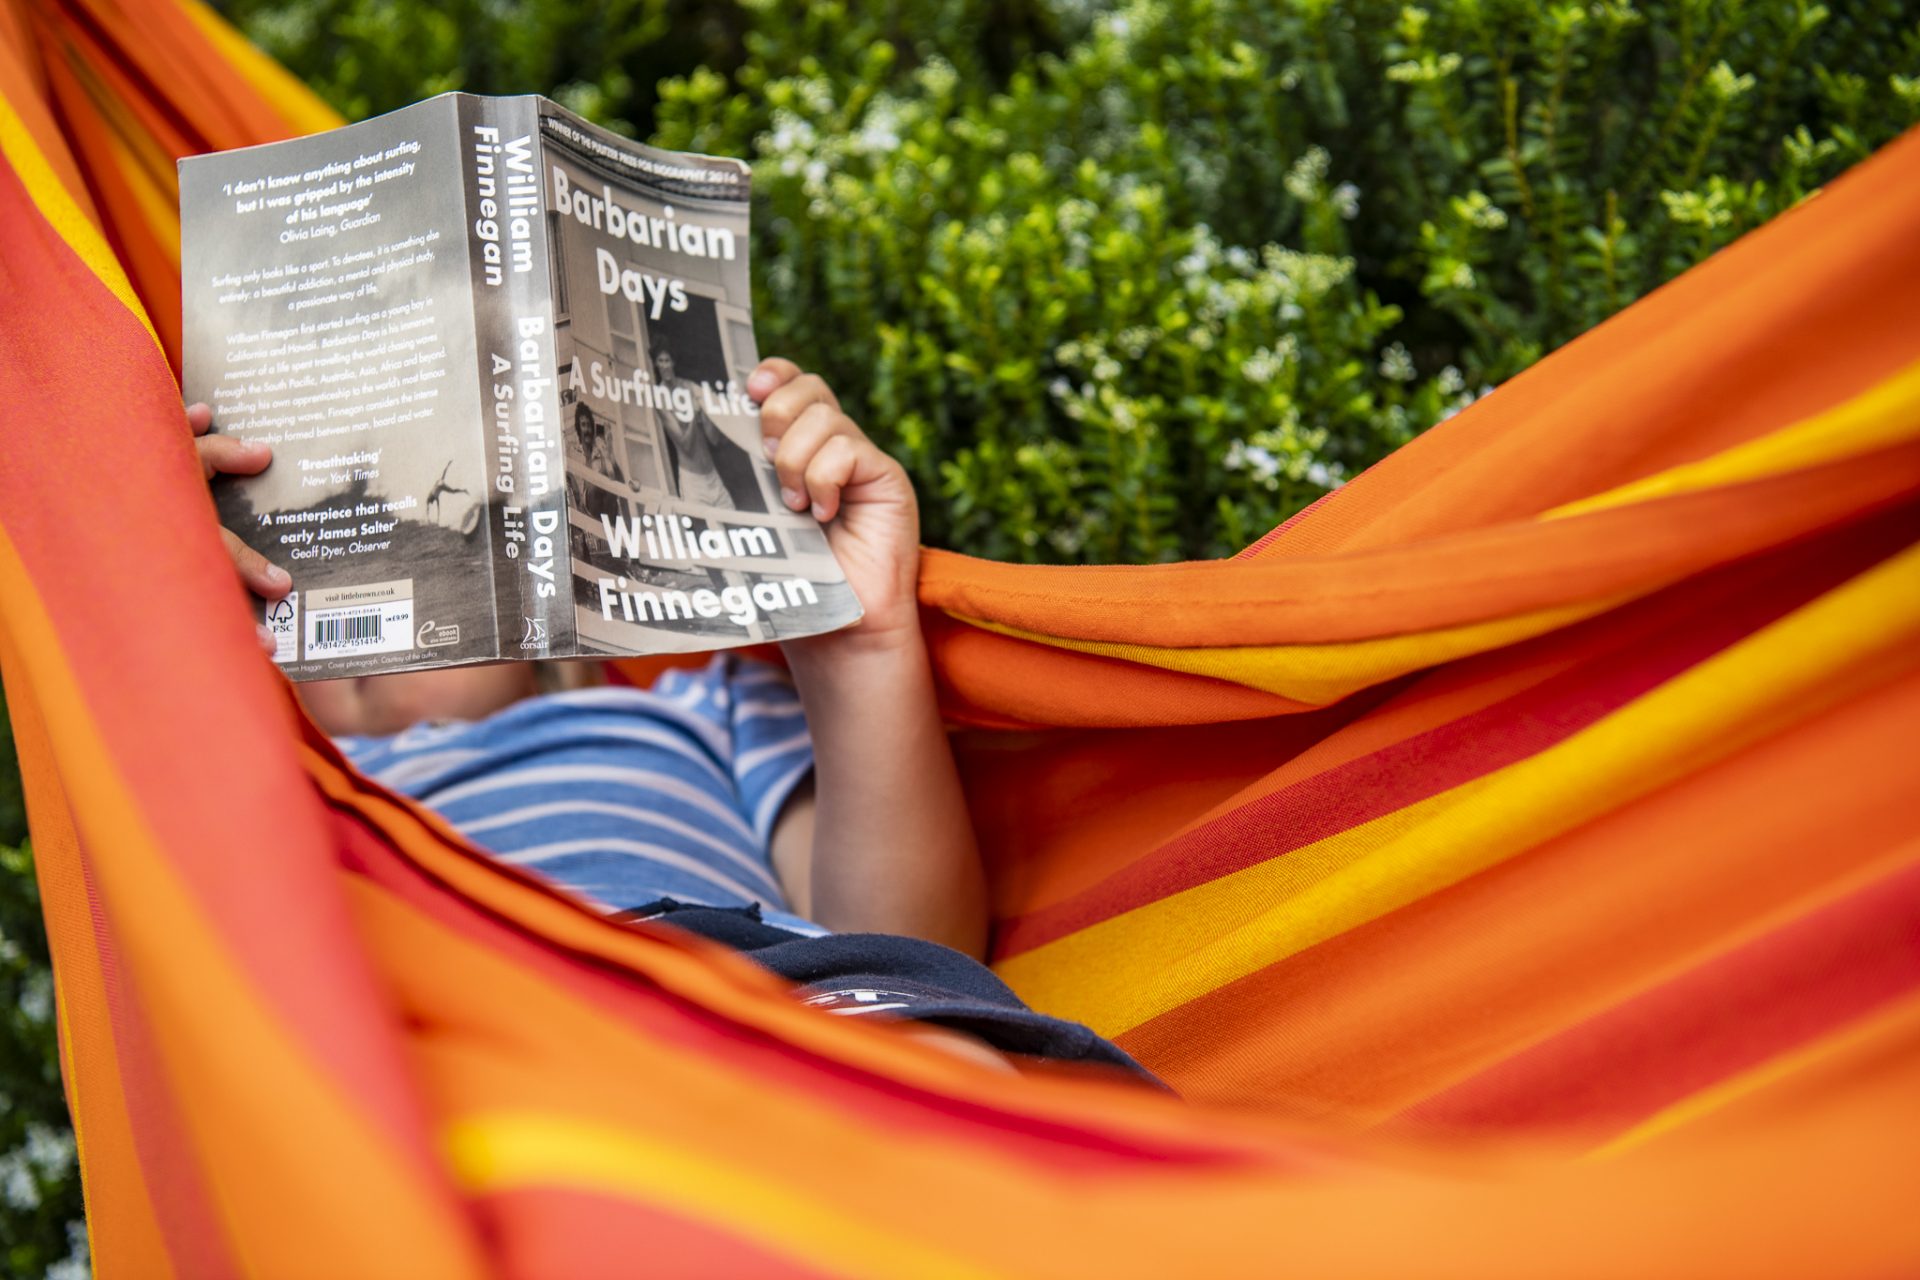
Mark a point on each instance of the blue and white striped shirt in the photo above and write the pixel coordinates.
(623, 796)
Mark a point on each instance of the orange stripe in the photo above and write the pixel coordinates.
(1465, 577)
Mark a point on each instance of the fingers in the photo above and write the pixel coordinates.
(224, 455)
(791, 401)
(795, 450)
(268, 581)
(831, 470)
(816, 448)
(772, 374)
(228, 455)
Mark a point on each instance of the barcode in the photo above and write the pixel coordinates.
(360, 630)
(363, 629)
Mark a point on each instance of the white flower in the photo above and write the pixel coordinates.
(49, 1150)
(78, 1264)
(877, 135)
(1396, 362)
(36, 996)
(1262, 366)
(18, 1190)
(938, 77)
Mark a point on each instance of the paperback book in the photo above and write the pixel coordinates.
(501, 357)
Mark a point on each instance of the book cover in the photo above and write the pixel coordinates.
(500, 355)
(679, 540)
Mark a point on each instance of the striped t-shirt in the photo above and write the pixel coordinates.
(623, 796)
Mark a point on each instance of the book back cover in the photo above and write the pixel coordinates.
(328, 313)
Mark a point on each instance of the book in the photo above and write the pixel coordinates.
(501, 356)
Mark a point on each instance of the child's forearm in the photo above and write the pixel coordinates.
(893, 846)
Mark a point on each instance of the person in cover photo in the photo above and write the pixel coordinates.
(703, 465)
(589, 447)
(760, 809)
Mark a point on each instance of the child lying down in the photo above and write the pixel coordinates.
(814, 822)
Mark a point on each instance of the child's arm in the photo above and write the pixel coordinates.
(893, 847)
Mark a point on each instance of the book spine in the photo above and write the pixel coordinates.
(519, 393)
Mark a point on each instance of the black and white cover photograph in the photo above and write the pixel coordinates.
(678, 537)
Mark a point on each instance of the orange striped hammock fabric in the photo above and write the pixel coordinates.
(1514, 861)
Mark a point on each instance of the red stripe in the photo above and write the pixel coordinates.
(1317, 509)
(1787, 989)
(1634, 649)
(85, 32)
(540, 1233)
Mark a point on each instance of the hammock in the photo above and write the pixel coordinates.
(1513, 860)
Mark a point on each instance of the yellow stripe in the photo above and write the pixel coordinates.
(65, 216)
(157, 196)
(147, 168)
(298, 105)
(1321, 674)
(1884, 415)
(1118, 973)
(1864, 1034)
(505, 1150)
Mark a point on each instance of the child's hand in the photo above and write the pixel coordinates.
(227, 456)
(862, 496)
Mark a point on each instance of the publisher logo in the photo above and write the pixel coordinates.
(535, 636)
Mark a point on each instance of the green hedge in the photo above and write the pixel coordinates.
(1133, 281)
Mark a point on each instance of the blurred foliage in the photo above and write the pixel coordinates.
(1131, 281)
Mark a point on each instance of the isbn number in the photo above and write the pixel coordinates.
(362, 629)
